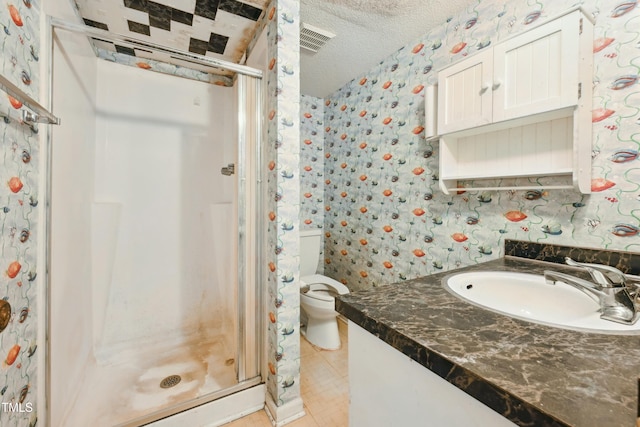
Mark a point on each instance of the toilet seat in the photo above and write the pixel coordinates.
(319, 291)
(318, 282)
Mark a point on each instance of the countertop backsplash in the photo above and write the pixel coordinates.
(627, 262)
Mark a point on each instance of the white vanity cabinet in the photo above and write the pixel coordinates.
(387, 388)
(520, 108)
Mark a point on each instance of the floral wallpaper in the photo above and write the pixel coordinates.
(283, 205)
(312, 166)
(386, 219)
(19, 205)
(164, 67)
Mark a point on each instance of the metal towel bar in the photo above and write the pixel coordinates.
(38, 113)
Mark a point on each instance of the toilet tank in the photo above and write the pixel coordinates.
(309, 251)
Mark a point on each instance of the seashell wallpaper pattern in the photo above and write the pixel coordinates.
(386, 219)
(19, 205)
(312, 166)
(283, 205)
(163, 67)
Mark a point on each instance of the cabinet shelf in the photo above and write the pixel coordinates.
(493, 176)
(508, 124)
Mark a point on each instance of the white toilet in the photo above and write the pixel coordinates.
(317, 292)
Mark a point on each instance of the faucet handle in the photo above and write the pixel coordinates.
(604, 275)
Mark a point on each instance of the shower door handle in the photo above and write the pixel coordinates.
(228, 170)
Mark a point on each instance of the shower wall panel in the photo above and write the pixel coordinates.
(164, 216)
(71, 194)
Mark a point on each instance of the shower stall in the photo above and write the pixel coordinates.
(153, 240)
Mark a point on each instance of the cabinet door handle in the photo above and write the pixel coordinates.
(496, 85)
(484, 88)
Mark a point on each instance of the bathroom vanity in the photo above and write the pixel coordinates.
(418, 352)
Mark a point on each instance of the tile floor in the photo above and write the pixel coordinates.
(324, 387)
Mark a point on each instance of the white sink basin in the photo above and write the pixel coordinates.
(529, 297)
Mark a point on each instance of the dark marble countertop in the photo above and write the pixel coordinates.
(532, 374)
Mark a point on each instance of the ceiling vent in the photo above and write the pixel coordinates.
(313, 38)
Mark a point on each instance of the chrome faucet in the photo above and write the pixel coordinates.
(609, 288)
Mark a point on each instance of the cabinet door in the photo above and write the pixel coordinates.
(464, 93)
(538, 70)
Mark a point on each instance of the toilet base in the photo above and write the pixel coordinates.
(322, 333)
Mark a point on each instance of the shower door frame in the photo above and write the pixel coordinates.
(250, 202)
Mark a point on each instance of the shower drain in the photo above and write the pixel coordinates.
(170, 381)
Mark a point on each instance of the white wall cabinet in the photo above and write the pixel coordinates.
(520, 108)
(539, 70)
(464, 98)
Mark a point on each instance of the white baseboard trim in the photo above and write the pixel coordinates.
(281, 415)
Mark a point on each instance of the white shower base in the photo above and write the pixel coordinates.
(219, 412)
(128, 386)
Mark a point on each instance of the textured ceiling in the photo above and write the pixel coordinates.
(367, 31)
